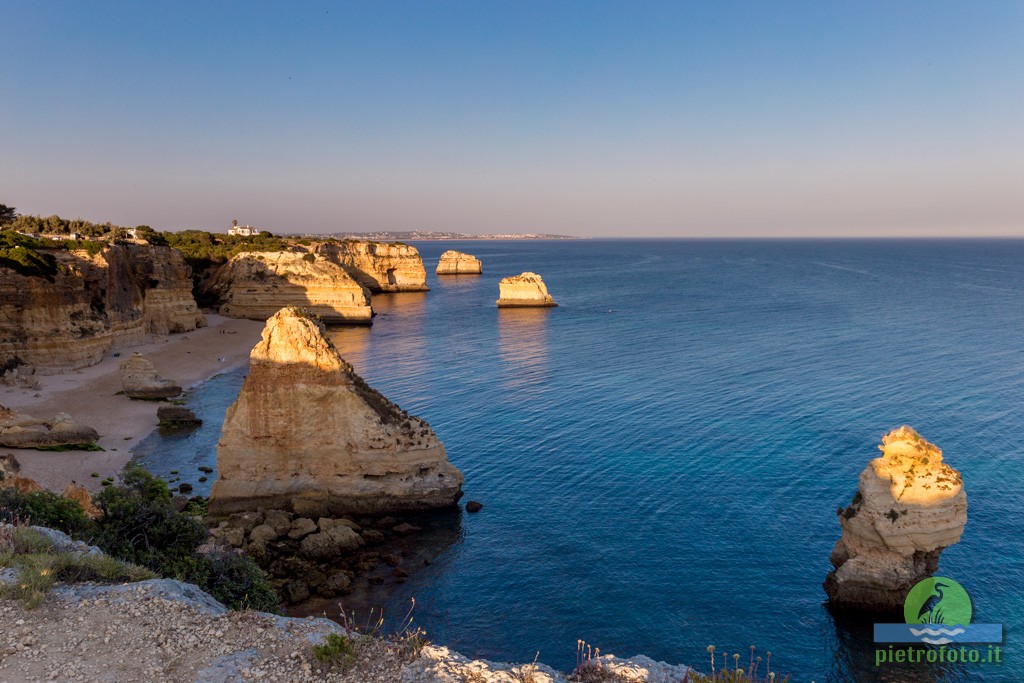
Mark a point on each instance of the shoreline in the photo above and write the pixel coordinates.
(90, 396)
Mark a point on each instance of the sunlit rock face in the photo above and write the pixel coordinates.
(908, 507)
(308, 435)
(257, 285)
(377, 266)
(457, 263)
(523, 290)
(110, 299)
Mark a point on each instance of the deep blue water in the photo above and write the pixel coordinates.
(661, 457)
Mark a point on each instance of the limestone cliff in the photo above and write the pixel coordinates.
(94, 303)
(525, 289)
(908, 507)
(256, 285)
(457, 263)
(308, 435)
(377, 266)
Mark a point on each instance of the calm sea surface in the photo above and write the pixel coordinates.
(661, 457)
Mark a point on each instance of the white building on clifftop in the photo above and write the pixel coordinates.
(242, 231)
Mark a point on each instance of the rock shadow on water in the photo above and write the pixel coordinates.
(377, 589)
(523, 345)
(854, 651)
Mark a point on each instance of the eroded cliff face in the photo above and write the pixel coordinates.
(523, 290)
(257, 285)
(377, 266)
(458, 263)
(93, 304)
(308, 435)
(908, 507)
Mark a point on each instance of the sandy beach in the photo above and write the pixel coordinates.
(90, 396)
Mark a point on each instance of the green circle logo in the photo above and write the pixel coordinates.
(938, 600)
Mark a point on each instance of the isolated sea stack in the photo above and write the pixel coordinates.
(457, 263)
(908, 507)
(308, 435)
(523, 291)
(257, 285)
(140, 380)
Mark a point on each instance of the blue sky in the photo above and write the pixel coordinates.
(587, 118)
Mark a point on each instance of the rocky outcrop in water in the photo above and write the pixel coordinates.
(523, 290)
(257, 285)
(908, 507)
(22, 431)
(139, 379)
(457, 263)
(308, 435)
(377, 266)
(92, 304)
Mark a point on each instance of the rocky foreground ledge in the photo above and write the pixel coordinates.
(165, 630)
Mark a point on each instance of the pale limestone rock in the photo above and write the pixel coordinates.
(436, 664)
(457, 263)
(140, 380)
(377, 266)
(257, 285)
(307, 434)
(22, 431)
(909, 506)
(523, 290)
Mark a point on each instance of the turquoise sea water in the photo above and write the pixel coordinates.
(661, 457)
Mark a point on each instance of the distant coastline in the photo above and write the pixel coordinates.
(433, 235)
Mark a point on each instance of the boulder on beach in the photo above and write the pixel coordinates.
(457, 263)
(140, 380)
(523, 290)
(909, 506)
(60, 431)
(308, 435)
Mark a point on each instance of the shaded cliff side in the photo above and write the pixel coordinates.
(377, 266)
(93, 303)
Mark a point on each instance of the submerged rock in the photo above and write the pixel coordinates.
(177, 416)
(308, 435)
(523, 290)
(22, 431)
(908, 507)
(139, 380)
(457, 263)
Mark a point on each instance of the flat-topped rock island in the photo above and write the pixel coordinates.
(526, 290)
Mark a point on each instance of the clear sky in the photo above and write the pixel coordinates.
(703, 118)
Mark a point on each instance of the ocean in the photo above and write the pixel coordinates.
(660, 458)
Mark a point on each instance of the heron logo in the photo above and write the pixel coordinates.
(938, 611)
(937, 600)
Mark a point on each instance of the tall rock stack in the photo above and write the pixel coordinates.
(308, 435)
(908, 507)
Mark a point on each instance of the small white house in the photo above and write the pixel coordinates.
(242, 230)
